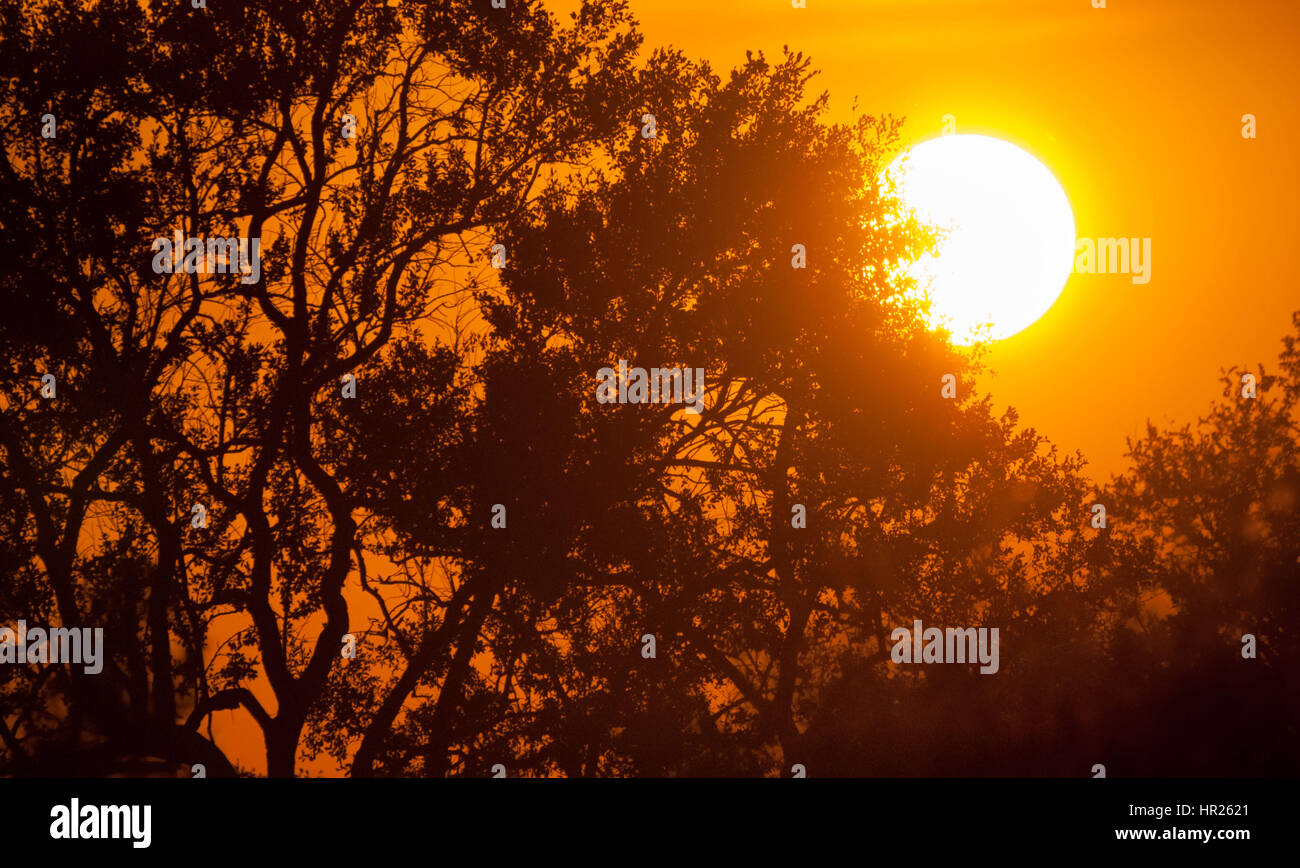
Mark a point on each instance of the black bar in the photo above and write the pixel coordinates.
(668, 818)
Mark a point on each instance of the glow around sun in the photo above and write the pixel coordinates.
(1008, 245)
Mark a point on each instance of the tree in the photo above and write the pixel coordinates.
(824, 391)
(1212, 507)
(181, 388)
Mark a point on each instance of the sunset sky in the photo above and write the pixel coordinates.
(1136, 108)
(304, 300)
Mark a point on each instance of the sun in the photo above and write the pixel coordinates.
(1008, 233)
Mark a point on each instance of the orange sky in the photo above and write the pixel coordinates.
(1136, 109)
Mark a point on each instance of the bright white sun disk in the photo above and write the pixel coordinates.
(1009, 233)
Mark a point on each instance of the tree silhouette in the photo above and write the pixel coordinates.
(1213, 507)
(184, 388)
(825, 392)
